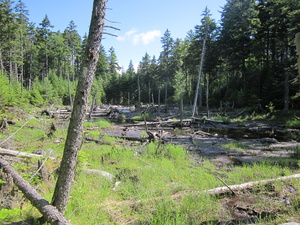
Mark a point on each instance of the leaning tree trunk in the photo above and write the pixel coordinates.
(207, 97)
(199, 76)
(75, 130)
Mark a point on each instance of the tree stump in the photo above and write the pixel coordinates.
(6, 189)
(3, 125)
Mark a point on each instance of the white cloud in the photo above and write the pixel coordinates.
(137, 38)
(146, 38)
(127, 36)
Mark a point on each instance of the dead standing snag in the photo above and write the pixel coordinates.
(75, 130)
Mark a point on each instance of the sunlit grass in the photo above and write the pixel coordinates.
(235, 145)
(142, 116)
(293, 123)
(102, 123)
(99, 123)
(225, 119)
(152, 174)
(255, 172)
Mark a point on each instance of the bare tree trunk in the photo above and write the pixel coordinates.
(207, 95)
(286, 91)
(181, 109)
(152, 98)
(158, 99)
(149, 92)
(1, 62)
(30, 73)
(93, 104)
(69, 88)
(49, 212)
(139, 90)
(75, 130)
(199, 76)
(297, 41)
(10, 67)
(166, 95)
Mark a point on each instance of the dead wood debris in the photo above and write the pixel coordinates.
(49, 212)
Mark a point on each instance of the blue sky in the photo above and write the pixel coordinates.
(142, 23)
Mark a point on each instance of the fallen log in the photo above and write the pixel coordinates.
(13, 153)
(49, 212)
(105, 174)
(97, 141)
(159, 123)
(231, 188)
(215, 121)
(215, 191)
(128, 138)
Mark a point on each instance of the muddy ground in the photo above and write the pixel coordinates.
(259, 140)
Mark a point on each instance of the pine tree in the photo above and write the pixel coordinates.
(166, 72)
(43, 39)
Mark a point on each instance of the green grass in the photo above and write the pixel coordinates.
(235, 145)
(142, 117)
(254, 172)
(99, 123)
(148, 179)
(103, 123)
(293, 123)
(159, 182)
(225, 119)
(296, 152)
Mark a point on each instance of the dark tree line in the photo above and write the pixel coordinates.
(250, 60)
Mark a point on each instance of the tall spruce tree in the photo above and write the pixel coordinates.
(165, 70)
(43, 38)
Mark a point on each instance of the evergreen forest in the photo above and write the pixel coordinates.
(130, 161)
(250, 60)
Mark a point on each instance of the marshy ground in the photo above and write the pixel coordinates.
(162, 182)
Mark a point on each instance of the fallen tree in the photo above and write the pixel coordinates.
(14, 153)
(49, 212)
(216, 191)
(232, 188)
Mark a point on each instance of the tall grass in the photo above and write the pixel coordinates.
(235, 145)
(148, 181)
